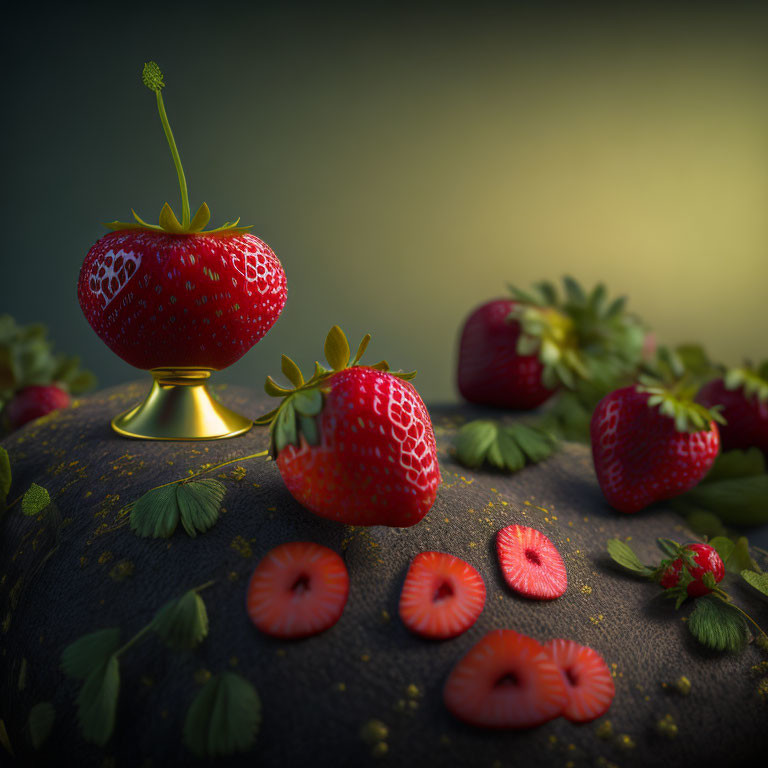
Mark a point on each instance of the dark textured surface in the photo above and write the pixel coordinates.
(61, 579)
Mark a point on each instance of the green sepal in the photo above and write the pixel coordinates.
(35, 500)
(89, 652)
(669, 547)
(170, 224)
(292, 372)
(718, 625)
(223, 718)
(308, 402)
(40, 722)
(754, 383)
(678, 404)
(361, 348)
(273, 389)
(337, 349)
(182, 623)
(200, 219)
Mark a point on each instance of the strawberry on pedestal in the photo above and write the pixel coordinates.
(652, 441)
(355, 442)
(517, 352)
(180, 301)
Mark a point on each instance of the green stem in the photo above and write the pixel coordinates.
(219, 466)
(720, 594)
(185, 213)
(143, 631)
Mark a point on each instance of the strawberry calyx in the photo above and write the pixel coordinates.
(577, 336)
(752, 381)
(152, 77)
(303, 402)
(672, 389)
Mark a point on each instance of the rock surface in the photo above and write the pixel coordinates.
(76, 568)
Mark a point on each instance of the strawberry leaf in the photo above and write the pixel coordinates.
(736, 500)
(718, 625)
(223, 718)
(736, 464)
(473, 441)
(724, 547)
(97, 702)
(705, 523)
(156, 514)
(35, 500)
(199, 504)
(40, 723)
(182, 623)
(625, 556)
(757, 580)
(89, 652)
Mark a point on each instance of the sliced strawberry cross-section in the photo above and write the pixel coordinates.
(442, 596)
(587, 680)
(531, 563)
(507, 680)
(298, 589)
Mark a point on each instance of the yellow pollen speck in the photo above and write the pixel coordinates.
(365, 657)
(586, 590)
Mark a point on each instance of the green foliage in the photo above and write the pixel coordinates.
(757, 580)
(733, 465)
(40, 723)
(5, 478)
(89, 652)
(197, 503)
(223, 718)
(625, 556)
(508, 448)
(718, 624)
(705, 523)
(182, 623)
(753, 382)
(27, 358)
(736, 501)
(97, 702)
(35, 500)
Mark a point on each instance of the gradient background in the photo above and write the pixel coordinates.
(403, 163)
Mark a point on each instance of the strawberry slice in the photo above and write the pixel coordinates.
(587, 679)
(507, 680)
(298, 589)
(530, 563)
(442, 596)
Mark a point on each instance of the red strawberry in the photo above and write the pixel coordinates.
(743, 397)
(586, 677)
(355, 443)
(442, 596)
(516, 353)
(531, 563)
(491, 371)
(649, 445)
(507, 680)
(171, 295)
(33, 402)
(701, 560)
(298, 589)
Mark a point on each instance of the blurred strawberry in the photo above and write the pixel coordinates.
(33, 402)
(516, 353)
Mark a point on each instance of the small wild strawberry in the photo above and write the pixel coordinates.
(688, 571)
(32, 402)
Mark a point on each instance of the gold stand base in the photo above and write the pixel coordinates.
(180, 407)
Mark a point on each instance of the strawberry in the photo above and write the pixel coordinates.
(531, 563)
(173, 295)
(33, 402)
(743, 395)
(586, 677)
(651, 443)
(298, 589)
(354, 443)
(688, 571)
(516, 353)
(507, 680)
(442, 596)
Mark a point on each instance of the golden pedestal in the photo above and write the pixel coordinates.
(180, 407)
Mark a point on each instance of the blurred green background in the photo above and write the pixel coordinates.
(403, 162)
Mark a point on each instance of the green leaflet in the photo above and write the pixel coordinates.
(625, 556)
(507, 448)
(736, 464)
(156, 513)
(736, 501)
(182, 623)
(89, 652)
(197, 503)
(97, 702)
(718, 624)
(5, 477)
(223, 718)
(704, 523)
(40, 723)
(35, 500)
(757, 580)
(724, 547)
